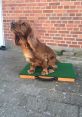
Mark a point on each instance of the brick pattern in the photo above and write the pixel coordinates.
(57, 22)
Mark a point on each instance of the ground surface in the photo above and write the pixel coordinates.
(33, 98)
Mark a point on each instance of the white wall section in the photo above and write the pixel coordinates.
(2, 42)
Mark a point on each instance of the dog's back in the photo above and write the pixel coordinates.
(42, 51)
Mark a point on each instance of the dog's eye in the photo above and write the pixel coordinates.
(23, 23)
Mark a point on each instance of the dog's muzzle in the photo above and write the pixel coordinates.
(13, 24)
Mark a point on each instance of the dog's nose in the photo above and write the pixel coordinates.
(12, 24)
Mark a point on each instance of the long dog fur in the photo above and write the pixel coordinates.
(35, 52)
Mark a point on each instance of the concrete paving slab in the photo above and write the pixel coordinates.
(33, 98)
(80, 112)
(62, 110)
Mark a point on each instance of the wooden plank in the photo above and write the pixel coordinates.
(27, 77)
(46, 77)
(66, 79)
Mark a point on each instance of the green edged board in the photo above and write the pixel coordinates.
(64, 72)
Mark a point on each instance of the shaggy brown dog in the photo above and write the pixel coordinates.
(35, 52)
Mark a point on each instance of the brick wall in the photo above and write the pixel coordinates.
(58, 22)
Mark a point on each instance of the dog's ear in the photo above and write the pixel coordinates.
(17, 40)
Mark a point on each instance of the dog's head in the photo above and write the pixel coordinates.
(21, 30)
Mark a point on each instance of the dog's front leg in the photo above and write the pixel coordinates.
(32, 69)
(45, 67)
(44, 71)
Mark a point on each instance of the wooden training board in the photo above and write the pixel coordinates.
(64, 72)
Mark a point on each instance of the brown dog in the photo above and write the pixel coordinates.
(35, 52)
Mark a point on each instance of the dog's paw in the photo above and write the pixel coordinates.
(44, 72)
(31, 71)
(50, 70)
(55, 67)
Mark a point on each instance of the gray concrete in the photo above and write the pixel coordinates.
(33, 98)
(81, 112)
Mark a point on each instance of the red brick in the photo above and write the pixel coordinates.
(51, 43)
(72, 7)
(73, 11)
(57, 22)
(66, 7)
(74, 46)
(79, 40)
(65, 45)
(74, 42)
(63, 31)
(68, 42)
(71, 39)
(80, 43)
(47, 11)
(54, 3)
(65, 3)
(77, 3)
